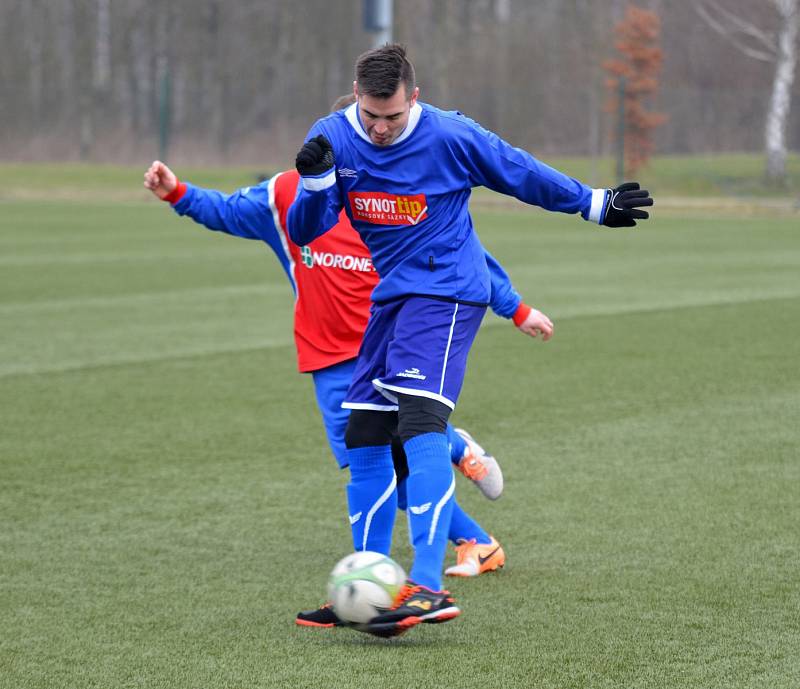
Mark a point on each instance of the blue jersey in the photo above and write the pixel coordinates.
(409, 200)
(332, 276)
(251, 213)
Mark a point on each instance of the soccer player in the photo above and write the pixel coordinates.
(403, 173)
(332, 279)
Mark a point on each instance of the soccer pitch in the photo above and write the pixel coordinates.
(168, 502)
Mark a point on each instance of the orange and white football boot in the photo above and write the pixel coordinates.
(480, 467)
(474, 558)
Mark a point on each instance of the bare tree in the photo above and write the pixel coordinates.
(142, 50)
(84, 77)
(101, 73)
(66, 55)
(760, 44)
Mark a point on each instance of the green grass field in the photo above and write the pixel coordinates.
(167, 502)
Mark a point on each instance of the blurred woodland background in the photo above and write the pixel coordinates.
(240, 81)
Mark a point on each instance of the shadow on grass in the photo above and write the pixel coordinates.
(350, 638)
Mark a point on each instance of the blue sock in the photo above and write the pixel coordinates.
(464, 526)
(457, 445)
(372, 497)
(430, 487)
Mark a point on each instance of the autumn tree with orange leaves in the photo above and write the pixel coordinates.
(639, 62)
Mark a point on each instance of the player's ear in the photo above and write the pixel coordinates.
(355, 89)
(414, 95)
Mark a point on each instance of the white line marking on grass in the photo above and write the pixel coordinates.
(132, 256)
(572, 313)
(162, 297)
(122, 360)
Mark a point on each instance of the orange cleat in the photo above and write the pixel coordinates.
(474, 558)
(480, 467)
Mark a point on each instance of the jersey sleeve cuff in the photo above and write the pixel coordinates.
(597, 209)
(522, 312)
(176, 194)
(325, 181)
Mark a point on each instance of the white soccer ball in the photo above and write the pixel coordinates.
(363, 585)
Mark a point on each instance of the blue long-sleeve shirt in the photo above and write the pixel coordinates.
(409, 200)
(254, 213)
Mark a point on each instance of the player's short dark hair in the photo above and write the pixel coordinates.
(343, 101)
(381, 71)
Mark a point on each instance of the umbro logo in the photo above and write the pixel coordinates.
(347, 172)
(420, 509)
(354, 517)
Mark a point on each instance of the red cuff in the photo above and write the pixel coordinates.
(176, 194)
(521, 314)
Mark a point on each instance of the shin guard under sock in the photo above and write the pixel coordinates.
(372, 497)
(430, 487)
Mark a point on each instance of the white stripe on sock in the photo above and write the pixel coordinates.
(438, 510)
(376, 507)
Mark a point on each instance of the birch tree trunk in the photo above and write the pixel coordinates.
(763, 45)
(780, 100)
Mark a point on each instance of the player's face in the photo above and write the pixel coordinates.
(384, 119)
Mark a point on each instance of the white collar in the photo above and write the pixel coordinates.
(413, 120)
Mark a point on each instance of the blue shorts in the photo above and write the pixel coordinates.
(417, 346)
(330, 386)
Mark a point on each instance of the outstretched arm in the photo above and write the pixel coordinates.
(250, 212)
(246, 213)
(494, 163)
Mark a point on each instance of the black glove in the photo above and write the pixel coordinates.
(624, 203)
(315, 157)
